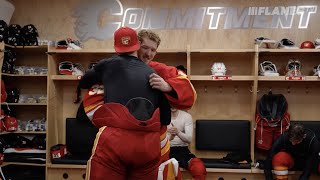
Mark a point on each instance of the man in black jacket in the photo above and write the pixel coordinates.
(127, 146)
(297, 148)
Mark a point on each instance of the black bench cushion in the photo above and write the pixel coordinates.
(225, 135)
(80, 136)
(220, 163)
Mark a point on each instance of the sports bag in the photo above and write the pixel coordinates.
(272, 119)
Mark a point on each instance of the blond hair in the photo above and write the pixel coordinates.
(149, 34)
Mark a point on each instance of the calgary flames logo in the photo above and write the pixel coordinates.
(97, 19)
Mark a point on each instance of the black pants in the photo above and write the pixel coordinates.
(182, 154)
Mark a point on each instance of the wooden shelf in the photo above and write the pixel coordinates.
(24, 104)
(171, 51)
(24, 132)
(27, 47)
(65, 77)
(20, 163)
(261, 50)
(66, 166)
(209, 78)
(25, 75)
(52, 50)
(222, 50)
(107, 51)
(283, 78)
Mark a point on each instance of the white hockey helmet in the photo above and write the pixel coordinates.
(267, 68)
(218, 69)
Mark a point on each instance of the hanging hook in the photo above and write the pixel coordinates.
(251, 89)
(270, 90)
(288, 89)
(220, 89)
(205, 89)
(307, 89)
(235, 89)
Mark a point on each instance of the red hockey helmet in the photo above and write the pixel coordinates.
(307, 45)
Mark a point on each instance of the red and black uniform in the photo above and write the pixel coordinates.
(284, 156)
(182, 98)
(127, 146)
(183, 95)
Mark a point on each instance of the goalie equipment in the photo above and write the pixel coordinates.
(293, 68)
(266, 43)
(316, 70)
(307, 45)
(68, 44)
(267, 68)
(68, 68)
(272, 119)
(65, 67)
(218, 69)
(287, 44)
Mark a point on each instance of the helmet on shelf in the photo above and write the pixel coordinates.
(287, 44)
(316, 70)
(267, 68)
(307, 45)
(218, 69)
(263, 42)
(293, 68)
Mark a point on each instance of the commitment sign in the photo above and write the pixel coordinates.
(99, 19)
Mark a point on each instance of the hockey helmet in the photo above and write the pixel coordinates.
(293, 68)
(307, 45)
(272, 107)
(218, 69)
(65, 67)
(267, 68)
(316, 70)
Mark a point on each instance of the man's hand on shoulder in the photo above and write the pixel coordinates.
(157, 82)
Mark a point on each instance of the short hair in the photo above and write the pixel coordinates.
(182, 68)
(149, 34)
(296, 131)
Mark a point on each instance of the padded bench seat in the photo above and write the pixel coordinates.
(223, 135)
(218, 163)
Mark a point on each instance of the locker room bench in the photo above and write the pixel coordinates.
(236, 138)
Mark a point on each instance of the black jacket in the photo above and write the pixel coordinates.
(126, 81)
(307, 151)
